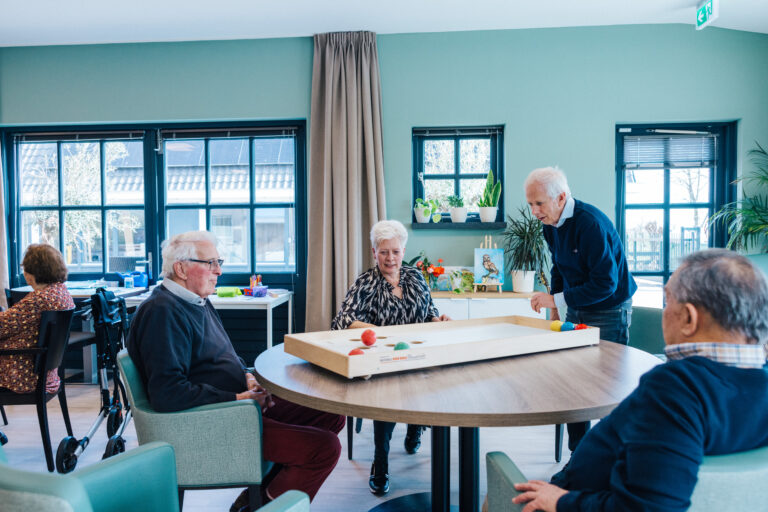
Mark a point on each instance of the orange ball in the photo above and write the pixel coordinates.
(356, 352)
(368, 337)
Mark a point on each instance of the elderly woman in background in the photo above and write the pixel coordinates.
(45, 271)
(388, 294)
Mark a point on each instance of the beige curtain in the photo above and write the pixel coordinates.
(346, 170)
(3, 238)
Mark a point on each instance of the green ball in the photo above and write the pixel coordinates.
(402, 346)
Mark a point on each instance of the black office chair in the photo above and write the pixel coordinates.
(52, 340)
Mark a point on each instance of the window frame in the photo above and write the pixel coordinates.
(154, 206)
(722, 187)
(420, 135)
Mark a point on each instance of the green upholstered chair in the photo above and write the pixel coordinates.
(140, 479)
(216, 445)
(645, 330)
(291, 501)
(726, 482)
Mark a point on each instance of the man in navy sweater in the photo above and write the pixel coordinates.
(185, 358)
(709, 398)
(590, 274)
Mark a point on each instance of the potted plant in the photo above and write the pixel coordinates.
(747, 220)
(525, 251)
(489, 202)
(426, 210)
(457, 209)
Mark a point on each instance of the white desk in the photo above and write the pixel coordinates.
(241, 302)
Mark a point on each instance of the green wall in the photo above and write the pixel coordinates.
(559, 92)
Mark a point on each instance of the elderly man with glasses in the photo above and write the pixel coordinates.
(186, 359)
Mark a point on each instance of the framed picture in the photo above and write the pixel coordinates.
(489, 266)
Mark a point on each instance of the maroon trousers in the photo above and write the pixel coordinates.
(304, 442)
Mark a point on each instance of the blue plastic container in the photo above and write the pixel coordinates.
(140, 279)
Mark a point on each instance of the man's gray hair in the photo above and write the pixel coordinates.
(387, 230)
(729, 287)
(552, 179)
(183, 247)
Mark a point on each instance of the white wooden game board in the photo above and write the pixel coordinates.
(433, 344)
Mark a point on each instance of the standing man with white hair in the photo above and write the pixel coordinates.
(185, 359)
(590, 275)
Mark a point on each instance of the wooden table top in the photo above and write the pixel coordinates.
(538, 389)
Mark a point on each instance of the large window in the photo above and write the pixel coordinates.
(107, 198)
(241, 189)
(455, 162)
(85, 197)
(671, 180)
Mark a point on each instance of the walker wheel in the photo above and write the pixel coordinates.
(115, 445)
(66, 460)
(114, 420)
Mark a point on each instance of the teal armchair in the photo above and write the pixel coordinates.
(216, 445)
(726, 482)
(111, 485)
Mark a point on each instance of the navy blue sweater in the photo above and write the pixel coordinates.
(645, 455)
(183, 354)
(588, 262)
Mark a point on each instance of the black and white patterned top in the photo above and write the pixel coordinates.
(370, 299)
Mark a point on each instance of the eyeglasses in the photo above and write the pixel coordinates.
(211, 263)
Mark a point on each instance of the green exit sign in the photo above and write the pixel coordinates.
(707, 13)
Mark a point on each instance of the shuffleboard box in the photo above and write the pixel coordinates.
(433, 344)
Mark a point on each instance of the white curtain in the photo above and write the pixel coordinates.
(346, 170)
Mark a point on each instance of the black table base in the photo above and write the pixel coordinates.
(439, 500)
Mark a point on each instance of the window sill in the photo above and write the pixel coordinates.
(488, 226)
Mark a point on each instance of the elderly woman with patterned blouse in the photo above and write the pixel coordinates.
(45, 271)
(388, 294)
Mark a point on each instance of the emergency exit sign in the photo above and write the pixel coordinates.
(707, 13)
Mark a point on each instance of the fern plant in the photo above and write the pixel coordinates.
(746, 220)
(524, 245)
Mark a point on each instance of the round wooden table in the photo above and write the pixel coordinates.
(547, 388)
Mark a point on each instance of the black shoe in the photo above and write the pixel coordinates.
(412, 441)
(379, 479)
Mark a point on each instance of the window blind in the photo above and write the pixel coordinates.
(669, 151)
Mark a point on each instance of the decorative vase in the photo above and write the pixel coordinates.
(459, 214)
(522, 280)
(488, 213)
(422, 216)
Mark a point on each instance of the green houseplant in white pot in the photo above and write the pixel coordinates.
(457, 209)
(525, 251)
(489, 202)
(425, 210)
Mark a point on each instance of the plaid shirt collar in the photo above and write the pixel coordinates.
(729, 354)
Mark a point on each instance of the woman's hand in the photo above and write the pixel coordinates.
(441, 318)
(357, 324)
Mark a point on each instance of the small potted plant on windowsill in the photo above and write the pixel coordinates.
(525, 251)
(489, 202)
(457, 209)
(426, 210)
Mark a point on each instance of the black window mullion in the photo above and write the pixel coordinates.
(456, 165)
(665, 236)
(252, 207)
(104, 226)
(60, 174)
(208, 184)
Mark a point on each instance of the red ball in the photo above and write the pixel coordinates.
(368, 337)
(580, 327)
(356, 352)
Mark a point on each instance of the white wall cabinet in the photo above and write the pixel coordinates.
(485, 305)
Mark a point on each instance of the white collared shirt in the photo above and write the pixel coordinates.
(182, 293)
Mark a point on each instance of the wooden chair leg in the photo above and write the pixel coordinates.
(350, 421)
(42, 418)
(254, 497)
(5, 418)
(558, 442)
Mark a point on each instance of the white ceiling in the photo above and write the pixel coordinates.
(53, 22)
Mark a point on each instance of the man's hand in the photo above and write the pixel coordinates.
(441, 318)
(252, 383)
(542, 300)
(261, 396)
(538, 495)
